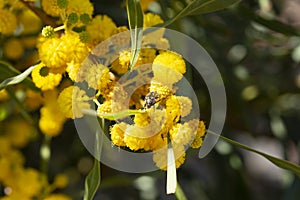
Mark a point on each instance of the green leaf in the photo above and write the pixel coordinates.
(92, 181)
(11, 76)
(272, 24)
(135, 20)
(284, 164)
(198, 7)
(179, 194)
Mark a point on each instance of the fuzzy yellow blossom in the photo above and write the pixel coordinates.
(160, 157)
(173, 109)
(148, 136)
(80, 7)
(19, 132)
(105, 108)
(52, 119)
(153, 37)
(33, 100)
(13, 49)
(100, 28)
(3, 95)
(57, 197)
(46, 78)
(197, 142)
(168, 67)
(136, 138)
(8, 21)
(117, 134)
(57, 52)
(151, 19)
(163, 91)
(72, 100)
(72, 69)
(60, 181)
(184, 134)
(5, 145)
(142, 119)
(51, 7)
(185, 105)
(96, 75)
(28, 182)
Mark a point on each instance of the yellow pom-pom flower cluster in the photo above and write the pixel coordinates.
(161, 120)
(67, 82)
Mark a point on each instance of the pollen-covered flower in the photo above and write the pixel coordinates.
(185, 105)
(46, 78)
(8, 21)
(33, 100)
(80, 7)
(26, 182)
(60, 181)
(100, 28)
(136, 138)
(96, 75)
(13, 49)
(117, 134)
(197, 142)
(168, 68)
(184, 134)
(151, 19)
(162, 90)
(3, 95)
(160, 156)
(51, 7)
(19, 132)
(104, 108)
(173, 109)
(72, 100)
(52, 119)
(57, 52)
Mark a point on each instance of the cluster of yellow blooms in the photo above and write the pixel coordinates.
(62, 52)
(22, 182)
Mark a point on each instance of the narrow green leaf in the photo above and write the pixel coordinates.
(179, 194)
(11, 76)
(198, 7)
(272, 24)
(92, 181)
(284, 164)
(135, 20)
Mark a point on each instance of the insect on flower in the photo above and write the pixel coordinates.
(151, 99)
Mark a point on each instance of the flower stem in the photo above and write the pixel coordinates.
(179, 194)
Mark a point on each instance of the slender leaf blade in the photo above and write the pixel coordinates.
(198, 7)
(207, 6)
(11, 76)
(92, 181)
(135, 20)
(284, 164)
(272, 24)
